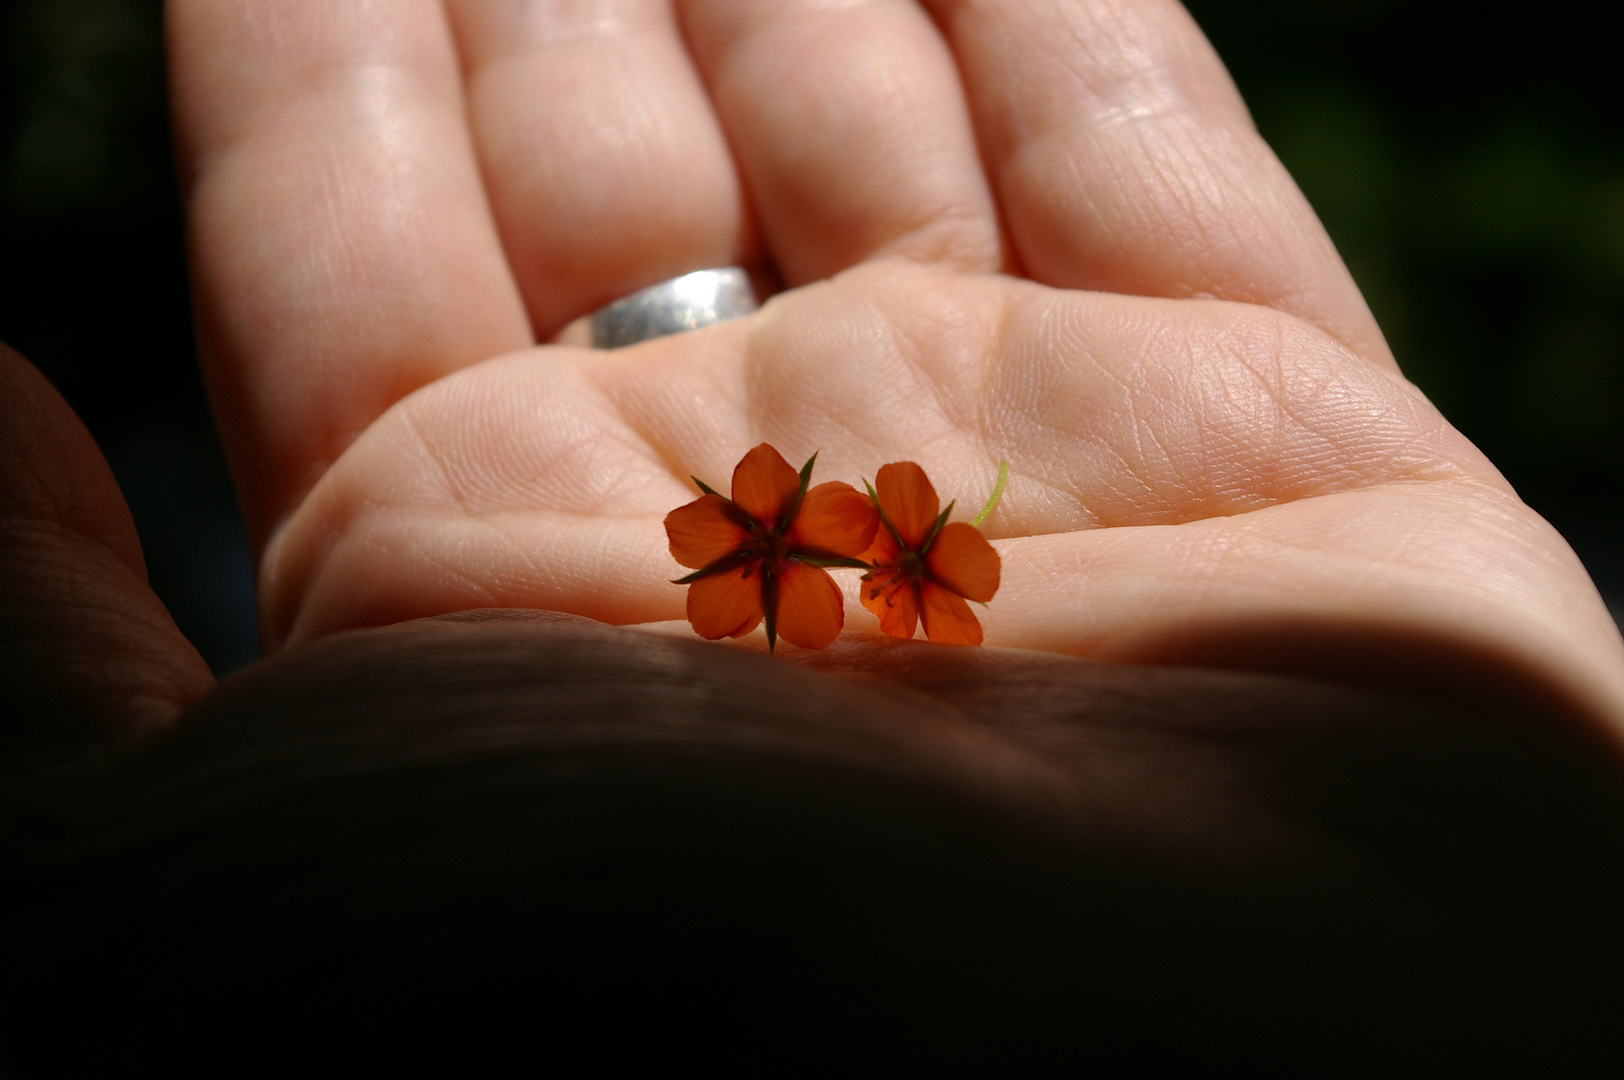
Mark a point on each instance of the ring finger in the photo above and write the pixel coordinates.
(605, 165)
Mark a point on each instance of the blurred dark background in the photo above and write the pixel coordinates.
(1469, 164)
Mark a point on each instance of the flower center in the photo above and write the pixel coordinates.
(769, 548)
(911, 566)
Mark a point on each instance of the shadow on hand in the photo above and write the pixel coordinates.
(503, 834)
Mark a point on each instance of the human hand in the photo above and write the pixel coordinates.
(1036, 232)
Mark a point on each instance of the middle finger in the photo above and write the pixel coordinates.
(852, 130)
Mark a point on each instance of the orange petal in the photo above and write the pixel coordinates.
(947, 618)
(883, 551)
(834, 520)
(726, 604)
(962, 560)
(909, 501)
(763, 483)
(810, 608)
(702, 532)
(894, 602)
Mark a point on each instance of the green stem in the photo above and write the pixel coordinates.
(997, 493)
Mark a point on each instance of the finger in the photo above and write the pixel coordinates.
(84, 641)
(342, 250)
(1124, 160)
(605, 164)
(850, 126)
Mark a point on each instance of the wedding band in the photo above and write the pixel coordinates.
(683, 303)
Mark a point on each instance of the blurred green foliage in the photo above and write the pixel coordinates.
(93, 288)
(85, 75)
(1434, 231)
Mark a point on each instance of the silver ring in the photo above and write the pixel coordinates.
(683, 303)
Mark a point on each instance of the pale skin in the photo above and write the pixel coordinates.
(1027, 230)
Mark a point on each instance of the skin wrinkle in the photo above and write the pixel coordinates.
(754, 18)
(1091, 435)
(1267, 381)
(72, 517)
(1059, 493)
(1125, 460)
(449, 487)
(493, 524)
(987, 413)
(1007, 346)
(304, 70)
(649, 423)
(1191, 171)
(1194, 85)
(490, 519)
(1312, 549)
(1288, 408)
(917, 195)
(597, 489)
(1304, 409)
(803, 352)
(1194, 199)
(916, 352)
(1209, 431)
(951, 227)
(33, 538)
(1102, 74)
(1146, 404)
(663, 451)
(642, 143)
(571, 452)
(555, 23)
(594, 484)
(1182, 162)
(938, 218)
(446, 564)
(413, 551)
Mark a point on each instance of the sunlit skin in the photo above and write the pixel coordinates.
(1026, 230)
(758, 557)
(925, 567)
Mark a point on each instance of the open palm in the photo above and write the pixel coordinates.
(1036, 231)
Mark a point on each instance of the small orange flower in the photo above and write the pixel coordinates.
(924, 569)
(760, 554)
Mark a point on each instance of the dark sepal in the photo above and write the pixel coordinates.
(788, 516)
(826, 561)
(769, 609)
(874, 497)
(941, 520)
(706, 488)
(725, 563)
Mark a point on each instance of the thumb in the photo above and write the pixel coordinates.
(86, 646)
